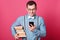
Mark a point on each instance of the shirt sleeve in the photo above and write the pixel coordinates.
(16, 23)
(41, 31)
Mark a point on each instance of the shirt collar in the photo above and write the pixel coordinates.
(29, 17)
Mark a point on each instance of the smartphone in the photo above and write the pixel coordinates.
(31, 24)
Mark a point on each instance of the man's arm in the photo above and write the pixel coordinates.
(41, 31)
(15, 24)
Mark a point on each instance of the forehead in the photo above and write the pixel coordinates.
(31, 6)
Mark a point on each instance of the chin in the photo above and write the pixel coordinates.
(32, 14)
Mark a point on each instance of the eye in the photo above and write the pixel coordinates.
(30, 9)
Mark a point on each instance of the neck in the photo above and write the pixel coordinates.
(32, 15)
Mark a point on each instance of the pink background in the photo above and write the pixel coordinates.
(10, 10)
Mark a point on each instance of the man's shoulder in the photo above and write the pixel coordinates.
(20, 17)
(40, 17)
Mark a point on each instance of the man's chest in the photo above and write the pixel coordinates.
(25, 22)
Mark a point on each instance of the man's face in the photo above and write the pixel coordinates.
(31, 9)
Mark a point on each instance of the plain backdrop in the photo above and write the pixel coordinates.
(10, 10)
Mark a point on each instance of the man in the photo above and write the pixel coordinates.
(35, 30)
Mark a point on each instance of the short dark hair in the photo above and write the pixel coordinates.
(31, 3)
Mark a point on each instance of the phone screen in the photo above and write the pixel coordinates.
(31, 23)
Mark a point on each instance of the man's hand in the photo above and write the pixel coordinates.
(32, 27)
(16, 36)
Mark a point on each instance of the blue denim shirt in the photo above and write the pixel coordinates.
(40, 30)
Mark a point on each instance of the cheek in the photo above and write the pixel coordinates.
(29, 11)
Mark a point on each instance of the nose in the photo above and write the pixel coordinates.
(31, 11)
